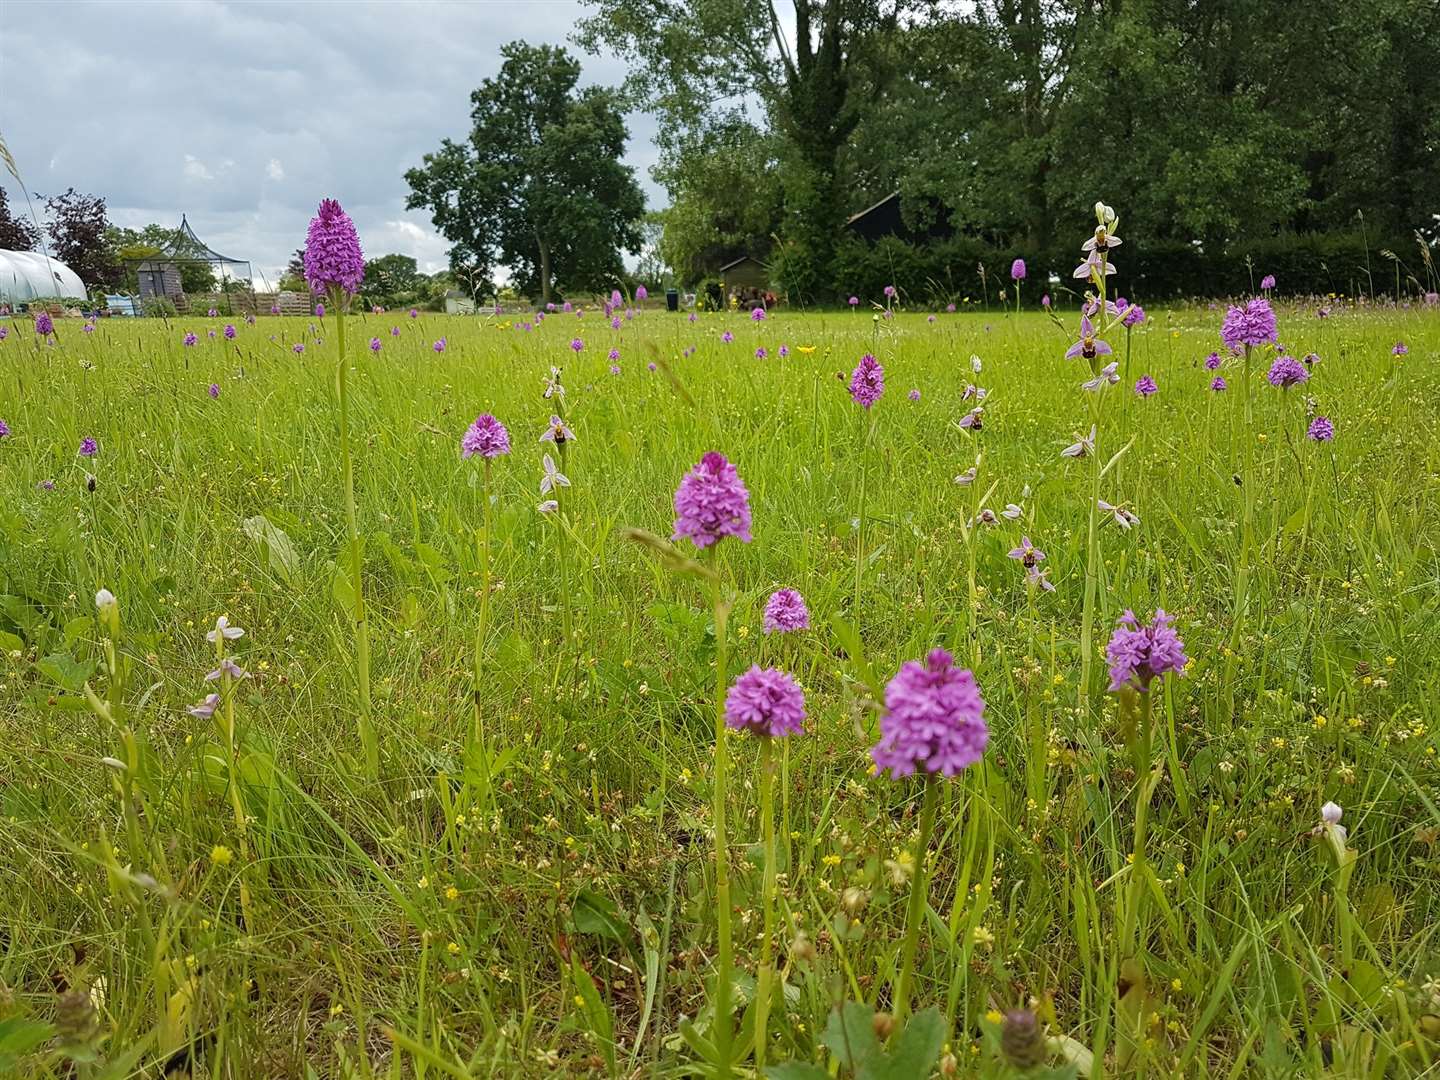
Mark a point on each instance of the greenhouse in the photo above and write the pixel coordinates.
(26, 276)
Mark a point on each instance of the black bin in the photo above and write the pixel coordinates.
(672, 299)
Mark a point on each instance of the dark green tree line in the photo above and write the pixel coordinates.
(1218, 124)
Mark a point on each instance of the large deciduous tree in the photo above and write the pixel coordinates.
(16, 233)
(77, 225)
(816, 83)
(390, 277)
(538, 186)
(725, 196)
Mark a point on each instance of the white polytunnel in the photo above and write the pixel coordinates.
(29, 275)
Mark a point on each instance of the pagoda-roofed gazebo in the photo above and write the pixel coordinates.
(158, 274)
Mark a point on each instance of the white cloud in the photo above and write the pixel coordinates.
(195, 169)
(388, 98)
(429, 249)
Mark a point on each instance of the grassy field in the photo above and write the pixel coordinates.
(517, 878)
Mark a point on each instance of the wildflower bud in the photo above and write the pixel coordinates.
(802, 948)
(949, 1066)
(76, 1022)
(853, 900)
(108, 609)
(1022, 1043)
(883, 1024)
(90, 482)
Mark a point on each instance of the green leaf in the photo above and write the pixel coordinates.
(596, 914)
(77, 628)
(596, 1014)
(917, 1048)
(275, 546)
(702, 1046)
(341, 588)
(66, 672)
(10, 643)
(796, 1070)
(850, 1034)
(18, 1036)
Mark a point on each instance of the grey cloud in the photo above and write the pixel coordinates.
(244, 116)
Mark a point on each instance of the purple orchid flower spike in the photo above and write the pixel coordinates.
(1088, 346)
(1124, 517)
(1084, 446)
(1107, 376)
(557, 432)
(553, 477)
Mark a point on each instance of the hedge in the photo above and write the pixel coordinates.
(947, 271)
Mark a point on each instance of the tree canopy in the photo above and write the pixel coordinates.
(538, 186)
(78, 226)
(1205, 123)
(16, 233)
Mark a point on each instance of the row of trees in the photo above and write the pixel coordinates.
(79, 234)
(392, 281)
(1205, 124)
(78, 231)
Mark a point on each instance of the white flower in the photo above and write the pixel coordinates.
(1011, 511)
(1124, 517)
(223, 629)
(975, 364)
(1331, 813)
(553, 478)
(1083, 445)
(104, 599)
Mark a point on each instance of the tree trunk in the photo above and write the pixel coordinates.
(544, 271)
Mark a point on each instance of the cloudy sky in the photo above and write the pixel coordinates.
(243, 115)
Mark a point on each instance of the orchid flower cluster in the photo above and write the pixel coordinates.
(1098, 318)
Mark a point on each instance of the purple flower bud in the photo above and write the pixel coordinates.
(486, 436)
(332, 251)
(712, 502)
(934, 719)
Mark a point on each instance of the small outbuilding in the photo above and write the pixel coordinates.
(886, 219)
(26, 276)
(745, 273)
(458, 303)
(160, 274)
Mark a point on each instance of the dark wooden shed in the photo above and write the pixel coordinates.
(745, 273)
(885, 219)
